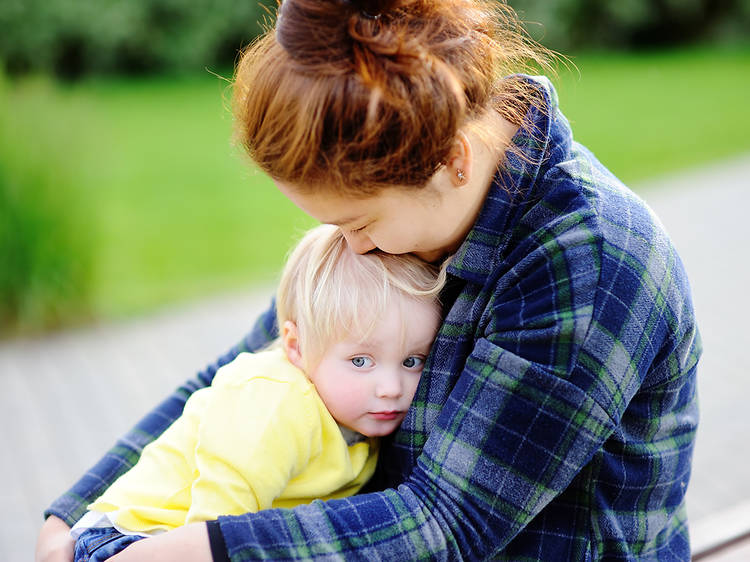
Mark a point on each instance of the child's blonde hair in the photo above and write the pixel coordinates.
(330, 292)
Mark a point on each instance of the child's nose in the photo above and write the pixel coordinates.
(389, 385)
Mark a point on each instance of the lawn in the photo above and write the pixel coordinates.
(650, 114)
(175, 212)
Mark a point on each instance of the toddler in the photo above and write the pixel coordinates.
(297, 421)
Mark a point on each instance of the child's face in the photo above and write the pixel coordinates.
(368, 386)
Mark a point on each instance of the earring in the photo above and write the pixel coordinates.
(460, 175)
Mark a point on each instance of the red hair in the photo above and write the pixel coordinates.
(356, 96)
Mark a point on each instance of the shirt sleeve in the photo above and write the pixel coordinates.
(72, 504)
(254, 437)
(511, 436)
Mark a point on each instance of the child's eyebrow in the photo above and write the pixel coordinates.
(426, 344)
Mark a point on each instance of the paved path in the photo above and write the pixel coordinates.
(705, 212)
(67, 397)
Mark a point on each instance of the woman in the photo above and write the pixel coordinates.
(557, 412)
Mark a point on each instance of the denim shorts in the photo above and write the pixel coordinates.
(99, 543)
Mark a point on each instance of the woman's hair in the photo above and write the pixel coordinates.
(330, 292)
(358, 95)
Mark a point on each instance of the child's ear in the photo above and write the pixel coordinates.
(290, 342)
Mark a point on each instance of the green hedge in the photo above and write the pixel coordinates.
(576, 24)
(75, 37)
(45, 261)
(46, 241)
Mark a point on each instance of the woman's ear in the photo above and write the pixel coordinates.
(459, 160)
(290, 343)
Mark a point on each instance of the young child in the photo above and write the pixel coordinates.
(297, 421)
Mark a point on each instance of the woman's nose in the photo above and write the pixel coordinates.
(358, 242)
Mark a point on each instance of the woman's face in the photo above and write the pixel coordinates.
(430, 222)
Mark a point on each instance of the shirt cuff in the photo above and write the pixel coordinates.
(216, 541)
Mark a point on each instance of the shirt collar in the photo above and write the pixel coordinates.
(512, 186)
(350, 436)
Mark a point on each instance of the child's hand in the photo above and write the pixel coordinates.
(184, 544)
(54, 543)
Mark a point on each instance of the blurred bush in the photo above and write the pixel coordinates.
(76, 37)
(575, 24)
(45, 241)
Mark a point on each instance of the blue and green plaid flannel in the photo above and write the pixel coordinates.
(556, 415)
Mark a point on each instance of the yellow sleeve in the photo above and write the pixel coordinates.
(254, 437)
(155, 493)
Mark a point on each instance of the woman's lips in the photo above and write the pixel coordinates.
(386, 416)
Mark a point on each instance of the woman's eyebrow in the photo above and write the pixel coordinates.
(348, 220)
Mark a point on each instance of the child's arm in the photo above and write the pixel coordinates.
(155, 494)
(72, 505)
(253, 439)
(255, 436)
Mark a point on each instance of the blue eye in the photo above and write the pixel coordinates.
(361, 362)
(413, 362)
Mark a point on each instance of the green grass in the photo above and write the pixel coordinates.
(176, 212)
(650, 114)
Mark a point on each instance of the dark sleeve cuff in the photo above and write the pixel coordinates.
(216, 541)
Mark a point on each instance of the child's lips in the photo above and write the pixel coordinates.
(386, 416)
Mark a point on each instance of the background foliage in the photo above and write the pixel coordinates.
(585, 24)
(46, 255)
(120, 190)
(76, 37)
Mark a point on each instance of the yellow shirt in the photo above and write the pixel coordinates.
(259, 437)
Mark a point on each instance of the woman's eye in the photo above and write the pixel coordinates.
(355, 230)
(413, 362)
(361, 362)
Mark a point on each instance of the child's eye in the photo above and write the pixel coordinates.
(355, 230)
(413, 362)
(361, 362)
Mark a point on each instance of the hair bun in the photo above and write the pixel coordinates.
(317, 31)
(354, 96)
(373, 9)
(301, 26)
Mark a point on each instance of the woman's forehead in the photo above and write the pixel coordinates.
(332, 207)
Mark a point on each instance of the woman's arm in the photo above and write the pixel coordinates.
(185, 544)
(465, 498)
(489, 467)
(537, 397)
(54, 543)
(502, 446)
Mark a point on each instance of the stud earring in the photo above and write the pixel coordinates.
(460, 175)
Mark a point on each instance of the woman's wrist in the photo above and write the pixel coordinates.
(184, 544)
(54, 543)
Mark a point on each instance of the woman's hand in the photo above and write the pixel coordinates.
(184, 544)
(54, 543)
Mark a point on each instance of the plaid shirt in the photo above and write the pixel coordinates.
(556, 414)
